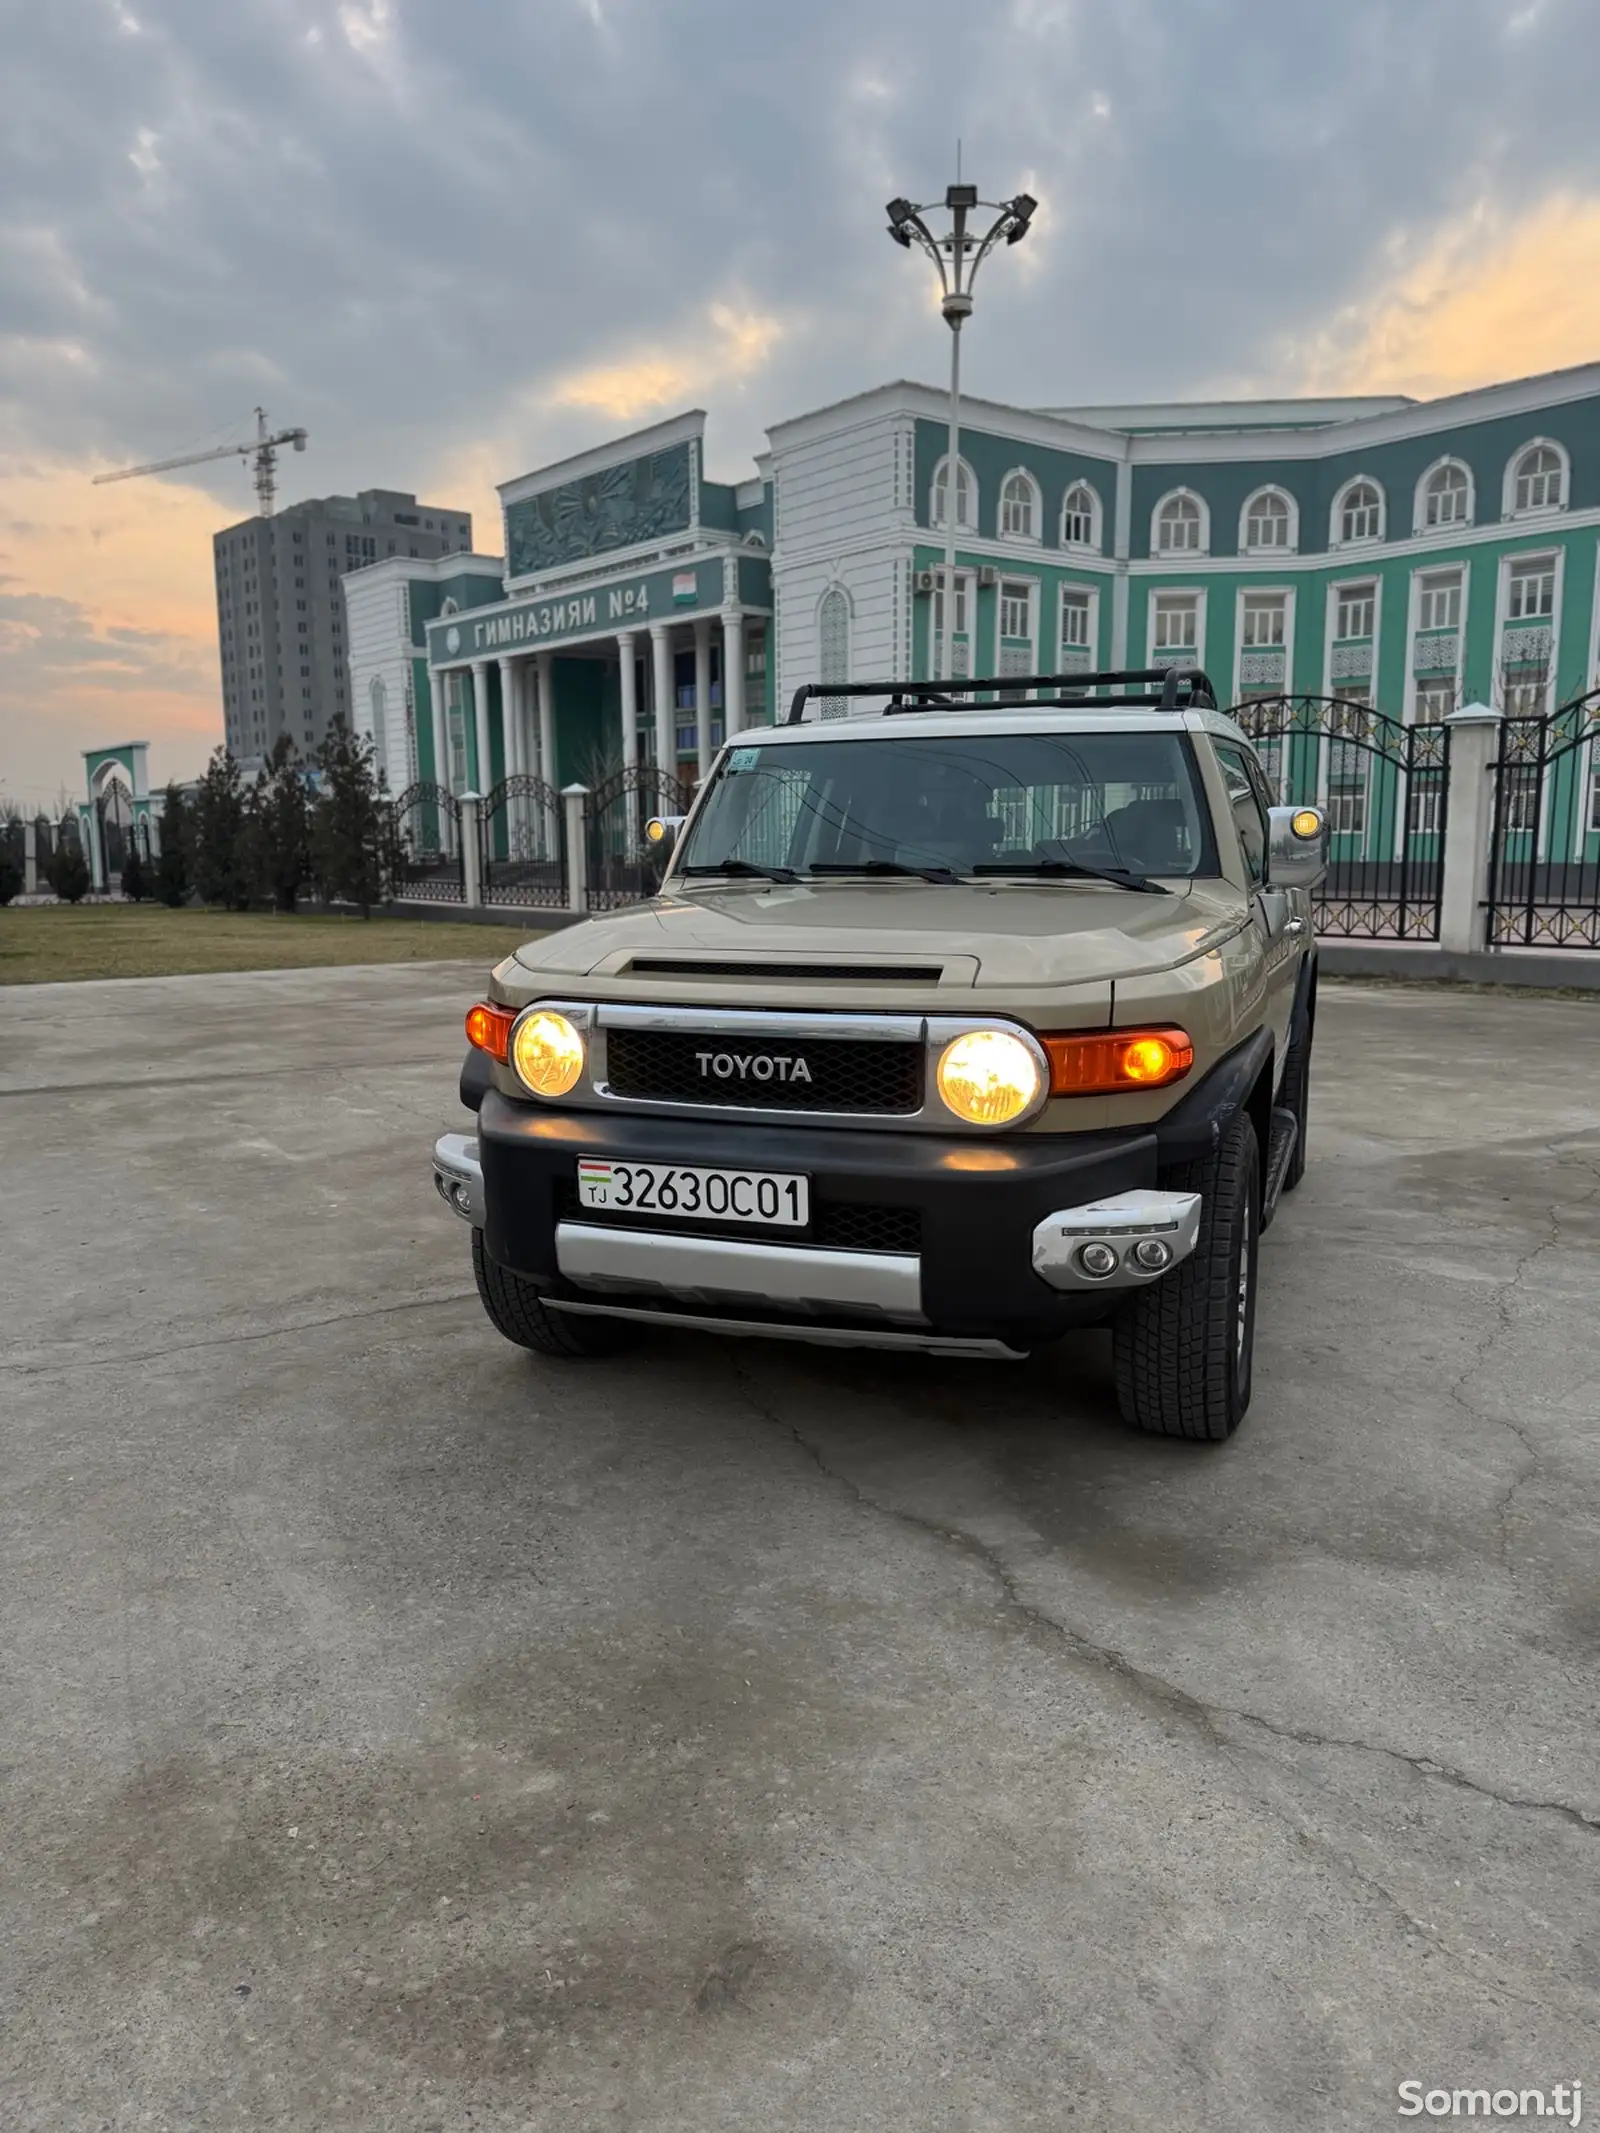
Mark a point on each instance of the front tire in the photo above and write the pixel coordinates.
(517, 1310)
(1183, 1349)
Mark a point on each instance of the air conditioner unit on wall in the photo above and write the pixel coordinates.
(988, 578)
(926, 581)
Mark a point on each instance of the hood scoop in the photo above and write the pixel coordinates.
(670, 966)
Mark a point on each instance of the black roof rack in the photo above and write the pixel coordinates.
(1163, 689)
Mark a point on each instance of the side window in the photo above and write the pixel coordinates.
(1248, 804)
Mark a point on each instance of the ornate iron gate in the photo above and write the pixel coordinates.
(1384, 785)
(522, 840)
(1544, 847)
(427, 865)
(621, 869)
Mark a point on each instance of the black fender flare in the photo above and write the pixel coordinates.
(1192, 1129)
(477, 1078)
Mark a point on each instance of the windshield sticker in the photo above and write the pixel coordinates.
(744, 759)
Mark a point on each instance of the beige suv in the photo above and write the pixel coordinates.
(958, 1023)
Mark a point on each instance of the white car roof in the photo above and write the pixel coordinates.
(1088, 717)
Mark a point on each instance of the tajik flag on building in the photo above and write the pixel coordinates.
(683, 588)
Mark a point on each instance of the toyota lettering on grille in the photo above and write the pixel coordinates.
(751, 1066)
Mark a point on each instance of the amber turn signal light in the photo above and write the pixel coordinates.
(489, 1029)
(1117, 1060)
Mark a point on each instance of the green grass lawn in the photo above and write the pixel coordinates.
(50, 942)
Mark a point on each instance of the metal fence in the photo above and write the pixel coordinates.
(1544, 841)
(1385, 787)
(620, 867)
(522, 843)
(427, 862)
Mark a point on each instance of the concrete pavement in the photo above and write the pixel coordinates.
(403, 1733)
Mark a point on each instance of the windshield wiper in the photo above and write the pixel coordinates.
(747, 868)
(885, 866)
(1065, 869)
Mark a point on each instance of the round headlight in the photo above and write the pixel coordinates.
(988, 1077)
(547, 1052)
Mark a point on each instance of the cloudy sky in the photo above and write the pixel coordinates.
(458, 238)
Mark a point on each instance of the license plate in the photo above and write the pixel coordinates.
(770, 1197)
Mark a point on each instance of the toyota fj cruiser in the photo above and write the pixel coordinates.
(980, 1015)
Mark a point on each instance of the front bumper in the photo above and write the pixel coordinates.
(998, 1231)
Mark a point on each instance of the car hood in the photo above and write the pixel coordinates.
(1023, 933)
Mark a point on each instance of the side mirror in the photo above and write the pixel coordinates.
(661, 834)
(1297, 849)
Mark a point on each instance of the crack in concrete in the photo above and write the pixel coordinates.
(1153, 1688)
(232, 1340)
(1497, 1330)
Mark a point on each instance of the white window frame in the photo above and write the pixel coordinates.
(1096, 538)
(1503, 621)
(1415, 682)
(1330, 637)
(1291, 543)
(1183, 495)
(1519, 571)
(965, 467)
(1010, 582)
(1089, 595)
(1508, 500)
(1193, 593)
(1419, 510)
(966, 594)
(1285, 599)
(1368, 589)
(1035, 535)
(1336, 535)
(1426, 591)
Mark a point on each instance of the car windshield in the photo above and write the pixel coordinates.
(1043, 804)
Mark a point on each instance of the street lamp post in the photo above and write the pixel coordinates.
(957, 255)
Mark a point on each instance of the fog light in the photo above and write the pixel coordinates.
(1097, 1260)
(462, 1197)
(1152, 1254)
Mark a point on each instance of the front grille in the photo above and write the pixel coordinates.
(874, 1076)
(836, 1225)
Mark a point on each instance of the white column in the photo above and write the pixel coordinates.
(96, 855)
(572, 800)
(547, 717)
(702, 692)
(508, 716)
(471, 849)
(732, 671)
(438, 682)
(480, 720)
(666, 709)
(630, 700)
(1468, 827)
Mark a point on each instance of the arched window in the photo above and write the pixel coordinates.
(1358, 512)
(966, 494)
(1019, 507)
(1080, 517)
(1268, 521)
(1180, 525)
(1538, 479)
(833, 646)
(1445, 496)
(447, 606)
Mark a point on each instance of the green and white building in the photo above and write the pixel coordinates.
(1411, 555)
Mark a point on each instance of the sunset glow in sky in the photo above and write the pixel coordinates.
(456, 242)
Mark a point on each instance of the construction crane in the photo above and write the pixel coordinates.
(264, 449)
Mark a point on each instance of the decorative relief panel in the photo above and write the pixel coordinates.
(1262, 670)
(1439, 652)
(1526, 647)
(641, 500)
(1350, 660)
